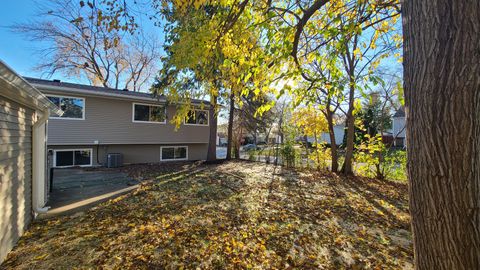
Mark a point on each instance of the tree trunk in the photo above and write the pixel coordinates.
(305, 138)
(347, 164)
(442, 95)
(230, 126)
(212, 142)
(316, 151)
(333, 141)
(237, 150)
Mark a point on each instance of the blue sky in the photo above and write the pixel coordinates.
(20, 54)
(14, 49)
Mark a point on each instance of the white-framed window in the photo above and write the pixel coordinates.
(72, 157)
(197, 117)
(169, 153)
(73, 107)
(148, 113)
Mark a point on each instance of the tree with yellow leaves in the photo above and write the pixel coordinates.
(311, 123)
(339, 51)
(215, 53)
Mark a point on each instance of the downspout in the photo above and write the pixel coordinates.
(39, 163)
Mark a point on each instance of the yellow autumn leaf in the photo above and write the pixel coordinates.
(41, 257)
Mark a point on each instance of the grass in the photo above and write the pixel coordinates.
(236, 215)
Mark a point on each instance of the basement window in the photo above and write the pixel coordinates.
(72, 157)
(168, 153)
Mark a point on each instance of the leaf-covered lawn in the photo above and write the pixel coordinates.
(230, 216)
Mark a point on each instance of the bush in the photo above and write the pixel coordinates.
(288, 155)
(252, 155)
(320, 156)
(374, 159)
(396, 165)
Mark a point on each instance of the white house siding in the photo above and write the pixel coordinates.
(339, 132)
(399, 127)
(399, 130)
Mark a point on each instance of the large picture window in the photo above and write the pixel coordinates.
(197, 117)
(75, 157)
(149, 113)
(173, 153)
(72, 107)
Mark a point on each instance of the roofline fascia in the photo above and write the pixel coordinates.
(69, 90)
(37, 98)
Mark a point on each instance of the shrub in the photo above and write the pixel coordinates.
(374, 159)
(320, 156)
(288, 155)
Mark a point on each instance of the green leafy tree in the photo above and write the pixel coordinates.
(375, 117)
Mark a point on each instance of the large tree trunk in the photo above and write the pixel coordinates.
(442, 94)
(212, 142)
(348, 163)
(230, 126)
(333, 141)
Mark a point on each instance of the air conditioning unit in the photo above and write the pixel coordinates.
(114, 160)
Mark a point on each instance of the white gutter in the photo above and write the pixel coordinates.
(39, 163)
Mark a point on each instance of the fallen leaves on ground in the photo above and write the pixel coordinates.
(235, 215)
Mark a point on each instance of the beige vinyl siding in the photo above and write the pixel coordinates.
(109, 121)
(16, 123)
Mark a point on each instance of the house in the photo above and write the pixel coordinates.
(398, 127)
(98, 121)
(338, 131)
(221, 139)
(24, 112)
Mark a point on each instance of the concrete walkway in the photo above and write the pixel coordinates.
(75, 189)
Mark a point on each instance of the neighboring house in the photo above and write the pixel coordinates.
(398, 127)
(98, 121)
(338, 130)
(221, 139)
(387, 137)
(24, 113)
(272, 135)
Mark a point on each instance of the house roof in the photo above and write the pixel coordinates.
(66, 87)
(17, 88)
(400, 112)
